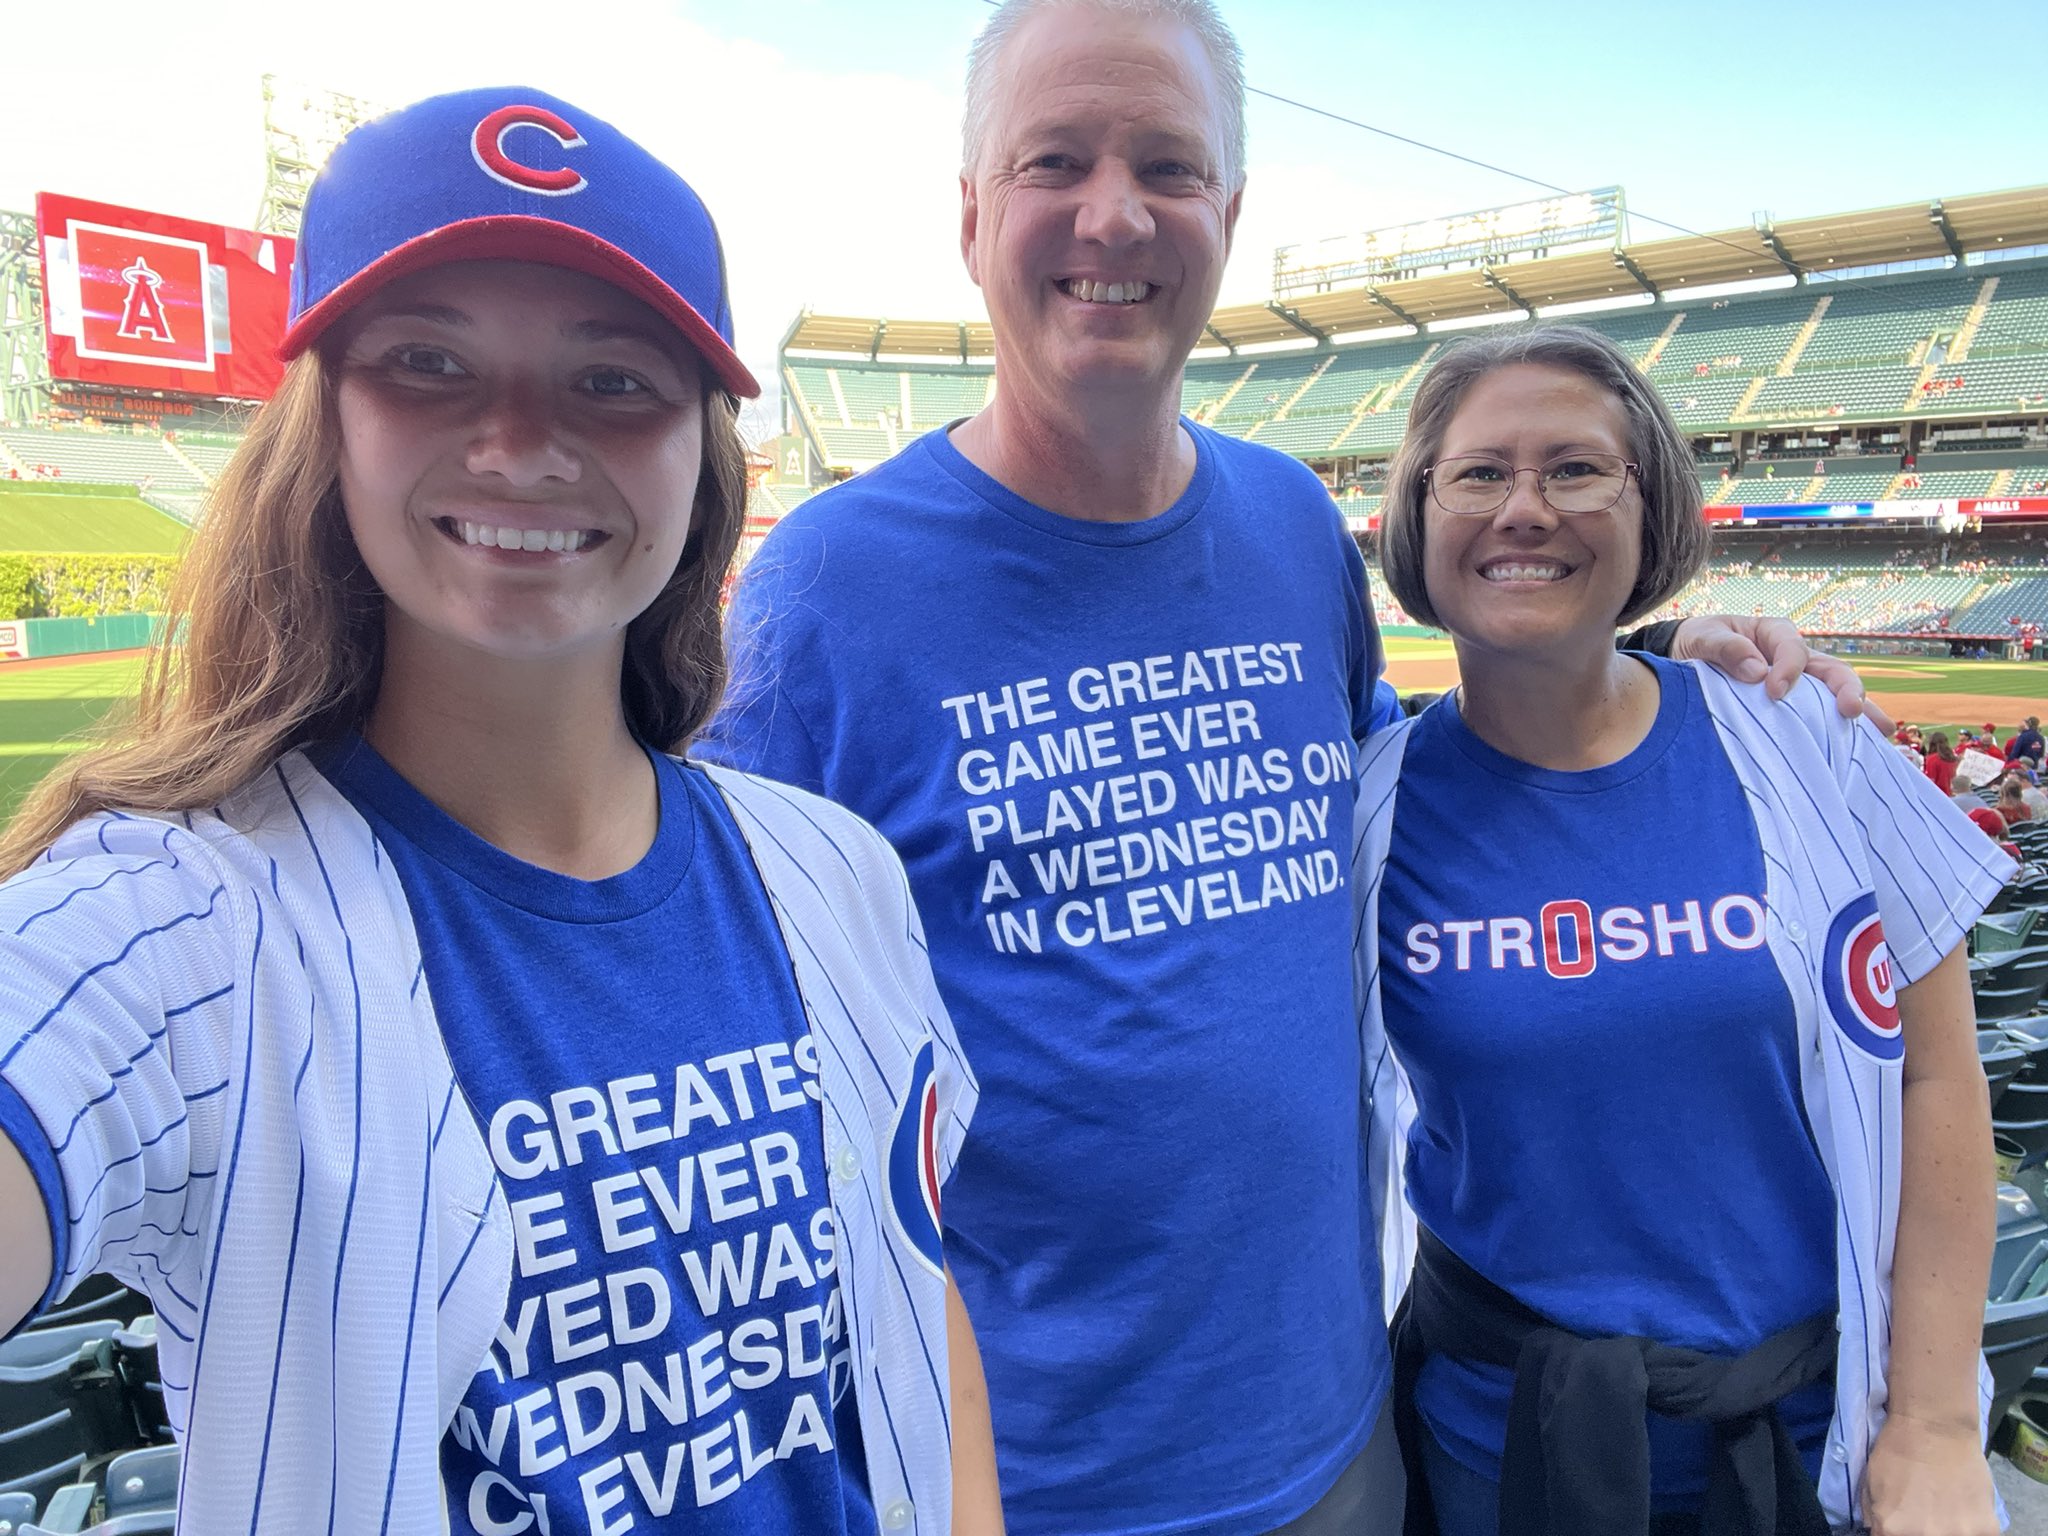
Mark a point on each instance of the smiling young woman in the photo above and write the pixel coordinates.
(1699, 1146)
(398, 858)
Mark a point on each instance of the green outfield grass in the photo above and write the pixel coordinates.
(1408, 648)
(2026, 681)
(42, 710)
(36, 523)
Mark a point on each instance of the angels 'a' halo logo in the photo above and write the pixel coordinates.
(1856, 973)
(914, 1165)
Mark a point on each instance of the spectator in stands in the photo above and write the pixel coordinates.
(1940, 762)
(1993, 826)
(397, 816)
(2027, 743)
(2012, 802)
(1147, 1354)
(1542, 496)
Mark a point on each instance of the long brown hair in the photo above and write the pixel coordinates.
(275, 632)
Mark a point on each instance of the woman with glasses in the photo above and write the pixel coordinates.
(1682, 1081)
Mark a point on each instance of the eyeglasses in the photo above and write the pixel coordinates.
(1478, 485)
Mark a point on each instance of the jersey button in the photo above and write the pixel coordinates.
(1796, 931)
(846, 1167)
(898, 1515)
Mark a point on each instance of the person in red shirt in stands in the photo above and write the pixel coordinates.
(2012, 803)
(1940, 762)
(1992, 825)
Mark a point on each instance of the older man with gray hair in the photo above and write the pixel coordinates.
(1098, 673)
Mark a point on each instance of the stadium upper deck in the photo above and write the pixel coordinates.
(1846, 340)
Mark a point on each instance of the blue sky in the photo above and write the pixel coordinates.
(1705, 113)
(824, 133)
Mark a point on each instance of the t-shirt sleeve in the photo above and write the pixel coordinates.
(117, 995)
(1933, 872)
(1371, 697)
(959, 1090)
(772, 638)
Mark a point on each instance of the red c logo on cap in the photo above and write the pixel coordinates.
(487, 147)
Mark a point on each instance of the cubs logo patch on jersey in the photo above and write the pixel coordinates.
(1856, 971)
(914, 1164)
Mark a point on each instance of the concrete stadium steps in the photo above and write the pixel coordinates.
(1824, 352)
(1750, 593)
(2016, 597)
(1746, 337)
(103, 457)
(2016, 319)
(1829, 393)
(1888, 325)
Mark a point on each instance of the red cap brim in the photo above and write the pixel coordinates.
(520, 237)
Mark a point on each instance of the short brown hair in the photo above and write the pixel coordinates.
(1674, 523)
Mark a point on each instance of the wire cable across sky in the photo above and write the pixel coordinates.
(1464, 159)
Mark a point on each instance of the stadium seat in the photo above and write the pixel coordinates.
(2004, 931)
(2008, 1002)
(96, 1298)
(2016, 1332)
(2002, 1060)
(71, 1519)
(16, 1511)
(2021, 1230)
(135, 1360)
(55, 1406)
(143, 1482)
(70, 1510)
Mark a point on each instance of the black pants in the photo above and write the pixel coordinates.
(1369, 1496)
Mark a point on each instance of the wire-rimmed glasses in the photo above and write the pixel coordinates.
(1577, 484)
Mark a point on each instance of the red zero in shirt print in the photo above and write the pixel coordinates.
(1856, 972)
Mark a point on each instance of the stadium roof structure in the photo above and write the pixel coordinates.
(1946, 227)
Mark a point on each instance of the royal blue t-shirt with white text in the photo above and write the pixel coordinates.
(1116, 759)
(674, 1354)
(1574, 974)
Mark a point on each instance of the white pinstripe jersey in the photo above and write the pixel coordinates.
(222, 1025)
(1841, 818)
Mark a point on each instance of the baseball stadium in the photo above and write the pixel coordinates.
(1865, 393)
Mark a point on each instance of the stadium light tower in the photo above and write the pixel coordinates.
(24, 365)
(301, 126)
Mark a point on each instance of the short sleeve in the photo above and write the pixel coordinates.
(959, 1091)
(1932, 870)
(117, 999)
(1370, 694)
(773, 637)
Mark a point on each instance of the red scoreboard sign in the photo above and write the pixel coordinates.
(147, 301)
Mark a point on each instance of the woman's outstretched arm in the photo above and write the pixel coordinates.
(1927, 1475)
(977, 1505)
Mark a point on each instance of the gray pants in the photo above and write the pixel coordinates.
(1369, 1495)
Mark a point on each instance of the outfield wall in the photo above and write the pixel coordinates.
(32, 639)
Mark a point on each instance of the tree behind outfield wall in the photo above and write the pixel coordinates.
(83, 586)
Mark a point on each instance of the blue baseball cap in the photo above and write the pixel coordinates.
(519, 175)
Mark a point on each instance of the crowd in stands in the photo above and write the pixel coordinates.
(1998, 784)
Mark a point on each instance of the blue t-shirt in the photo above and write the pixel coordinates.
(1604, 1055)
(674, 1353)
(1117, 761)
